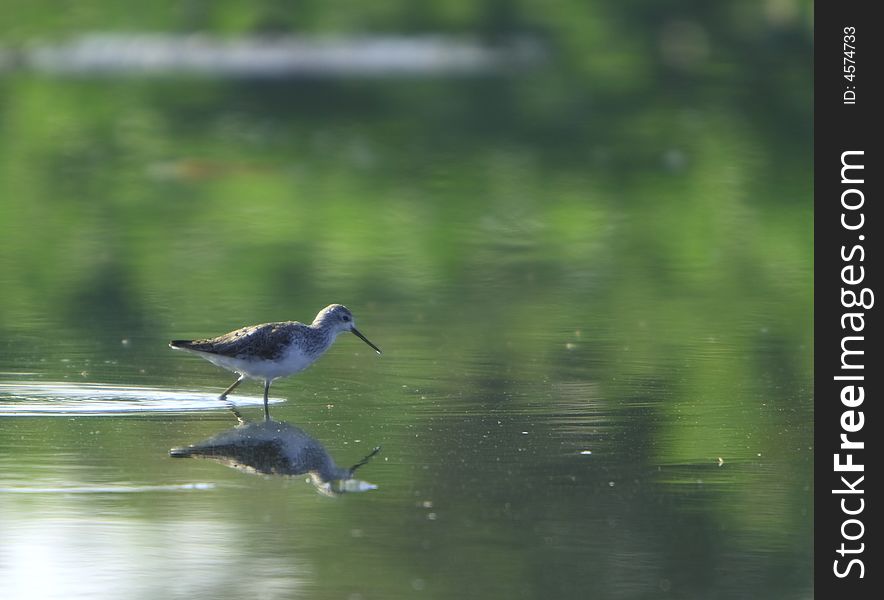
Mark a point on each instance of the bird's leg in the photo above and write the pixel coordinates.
(223, 395)
(231, 405)
(266, 392)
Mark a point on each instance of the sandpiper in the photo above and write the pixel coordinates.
(273, 350)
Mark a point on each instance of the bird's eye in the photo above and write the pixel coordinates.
(346, 318)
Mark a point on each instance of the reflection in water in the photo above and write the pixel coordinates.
(277, 448)
(276, 57)
(47, 554)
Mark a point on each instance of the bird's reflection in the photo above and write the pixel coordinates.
(274, 447)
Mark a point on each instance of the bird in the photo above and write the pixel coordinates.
(269, 351)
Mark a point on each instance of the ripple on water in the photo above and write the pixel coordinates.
(64, 398)
(107, 489)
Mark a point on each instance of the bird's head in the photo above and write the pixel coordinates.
(339, 319)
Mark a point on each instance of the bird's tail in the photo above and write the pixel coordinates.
(180, 452)
(180, 344)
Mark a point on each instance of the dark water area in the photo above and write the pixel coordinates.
(591, 279)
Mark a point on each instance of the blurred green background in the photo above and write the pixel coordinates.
(606, 250)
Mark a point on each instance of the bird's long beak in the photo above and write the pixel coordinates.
(365, 339)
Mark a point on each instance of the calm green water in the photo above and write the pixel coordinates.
(591, 281)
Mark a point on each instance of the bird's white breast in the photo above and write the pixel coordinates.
(293, 361)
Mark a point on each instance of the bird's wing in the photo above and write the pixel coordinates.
(267, 341)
